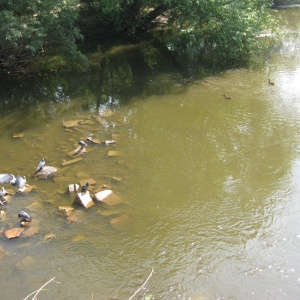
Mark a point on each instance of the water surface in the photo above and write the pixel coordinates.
(210, 186)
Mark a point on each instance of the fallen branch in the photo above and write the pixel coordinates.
(40, 289)
(143, 285)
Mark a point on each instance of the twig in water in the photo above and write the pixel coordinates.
(40, 289)
(143, 285)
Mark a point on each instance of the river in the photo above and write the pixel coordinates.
(210, 186)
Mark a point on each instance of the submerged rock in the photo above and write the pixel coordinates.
(108, 197)
(84, 199)
(76, 216)
(13, 233)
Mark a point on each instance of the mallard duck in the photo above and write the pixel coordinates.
(270, 82)
(85, 187)
(226, 97)
(40, 166)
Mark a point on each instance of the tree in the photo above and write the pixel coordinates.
(33, 27)
(221, 32)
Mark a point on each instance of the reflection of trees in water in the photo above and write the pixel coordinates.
(121, 74)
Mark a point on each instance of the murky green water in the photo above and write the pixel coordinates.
(210, 186)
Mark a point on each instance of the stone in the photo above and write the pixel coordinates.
(119, 221)
(117, 178)
(35, 206)
(109, 142)
(70, 124)
(25, 190)
(93, 141)
(67, 210)
(78, 238)
(108, 213)
(68, 162)
(2, 215)
(13, 233)
(84, 199)
(76, 216)
(25, 263)
(18, 135)
(46, 172)
(72, 188)
(30, 231)
(77, 152)
(108, 197)
(113, 153)
(49, 236)
(91, 181)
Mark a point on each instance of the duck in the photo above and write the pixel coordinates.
(205, 81)
(24, 216)
(85, 187)
(40, 166)
(3, 193)
(227, 97)
(270, 82)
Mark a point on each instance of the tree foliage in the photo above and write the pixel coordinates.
(32, 27)
(221, 32)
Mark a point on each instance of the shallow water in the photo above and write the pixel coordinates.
(210, 186)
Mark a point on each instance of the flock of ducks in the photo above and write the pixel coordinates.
(20, 183)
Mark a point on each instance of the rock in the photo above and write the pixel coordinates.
(32, 230)
(35, 206)
(78, 151)
(49, 236)
(114, 153)
(18, 135)
(78, 238)
(25, 190)
(13, 233)
(108, 213)
(108, 197)
(70, 124)
(25, 263)
(93, 141)
(67, 210)
(2, 252)
(68, 162)
(72, 188)
(2, 215)
(119, 221)
(91, 181)
(109, 142)
(46, 172)
(84, 199)
(117, 178)
(76, 216)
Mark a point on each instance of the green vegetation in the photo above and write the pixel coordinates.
(286, 2)
(217, 32)
(30, 28)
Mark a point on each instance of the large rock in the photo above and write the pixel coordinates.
(84, 199)
(46, 172)
(13, 233)
(108, 197)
